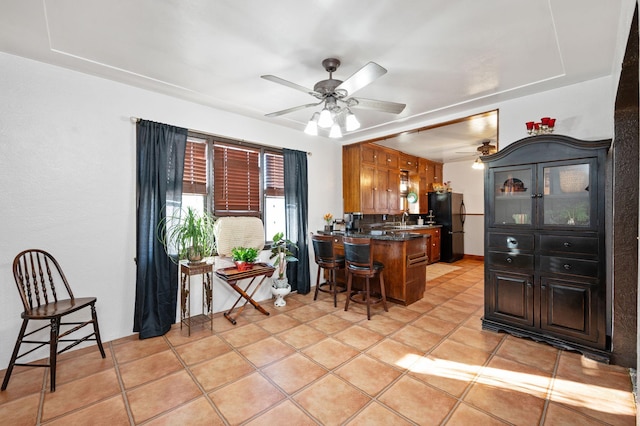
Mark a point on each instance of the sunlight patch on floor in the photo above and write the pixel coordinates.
(593, 397)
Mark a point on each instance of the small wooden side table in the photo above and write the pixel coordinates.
(187, 270)
(231, 276)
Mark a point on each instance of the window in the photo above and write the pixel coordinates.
(274, 213)
(234, 180)
(194, 178)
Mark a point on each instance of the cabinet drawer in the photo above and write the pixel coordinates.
(569, 244)
(510, 241)
(565, 265)
(506, 260)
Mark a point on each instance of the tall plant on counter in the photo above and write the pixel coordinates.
(282, 254)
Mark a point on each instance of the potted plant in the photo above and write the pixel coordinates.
(328, 217)
(244, 257)
(189, 234)
(280, 251)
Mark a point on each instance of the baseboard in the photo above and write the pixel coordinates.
(473, 257)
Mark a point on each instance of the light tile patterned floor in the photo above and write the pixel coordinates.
(310, 363)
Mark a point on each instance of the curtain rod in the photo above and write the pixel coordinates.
(135, 120)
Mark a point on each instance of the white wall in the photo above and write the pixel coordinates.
(67, 168)
(583, 111)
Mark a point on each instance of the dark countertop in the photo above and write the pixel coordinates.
(387, 235)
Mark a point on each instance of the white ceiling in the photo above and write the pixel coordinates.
(443, 57)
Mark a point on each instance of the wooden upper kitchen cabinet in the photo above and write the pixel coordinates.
(428, 173)
(370, 179)
(408, 162)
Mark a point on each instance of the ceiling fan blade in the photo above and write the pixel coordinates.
(384, 106)
(288, 110)
(361, 78)
(287, 83)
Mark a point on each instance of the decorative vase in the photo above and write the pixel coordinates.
(280, 289)
(328, 228)
(194, 256)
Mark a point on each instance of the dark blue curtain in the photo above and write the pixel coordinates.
(160, 163)
(296, 219)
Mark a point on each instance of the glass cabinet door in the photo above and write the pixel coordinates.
(512, 190)
(567, 194)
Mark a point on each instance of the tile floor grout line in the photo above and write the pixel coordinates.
(43, 391)
(195, 380)
(547, 400)
(116, 367)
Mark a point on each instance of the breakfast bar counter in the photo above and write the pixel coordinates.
(404, 255)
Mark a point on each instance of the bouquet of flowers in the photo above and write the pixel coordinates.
(328, 217)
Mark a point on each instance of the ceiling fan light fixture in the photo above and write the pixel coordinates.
(312, 125)
(352, 122)
(335, 131)
(478, 164)
(325, 120)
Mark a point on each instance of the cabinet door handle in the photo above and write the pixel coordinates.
(540, 195)
(566, 266)
(567, 244)
(534, 195)
(389, 190)
(375, 189)
(509, 260)
(529, 283)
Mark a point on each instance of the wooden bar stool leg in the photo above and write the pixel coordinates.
(346, 305)
(368, 300)
(315, 295)
(332, 286)
(382, 293)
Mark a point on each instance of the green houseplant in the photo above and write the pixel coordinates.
(244, 257)
(281, 252)
(189, 233)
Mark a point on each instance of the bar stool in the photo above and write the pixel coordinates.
(327, 259)
(359, 261)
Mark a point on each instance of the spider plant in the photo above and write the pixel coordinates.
(188, 233)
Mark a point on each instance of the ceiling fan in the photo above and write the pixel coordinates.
(485, 149)
(337, 96)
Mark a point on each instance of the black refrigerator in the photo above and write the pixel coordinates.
(448, 209)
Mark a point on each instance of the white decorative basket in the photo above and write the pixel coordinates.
(573, 180)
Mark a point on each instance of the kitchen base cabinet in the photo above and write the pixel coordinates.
(433, 243)
(545, 269)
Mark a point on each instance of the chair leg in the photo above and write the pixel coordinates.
(382, 293)
(14, 356)
(53, 350)
(349, 278)
(315, 295)
(96, 330)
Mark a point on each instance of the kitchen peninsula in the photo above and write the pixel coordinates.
(404, 254)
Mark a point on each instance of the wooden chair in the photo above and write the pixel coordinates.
(326, 259)
(359, 262)
(46, 296)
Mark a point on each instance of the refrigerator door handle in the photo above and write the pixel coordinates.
(463, 213)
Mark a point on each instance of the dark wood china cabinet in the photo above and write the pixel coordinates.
(545, 261)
